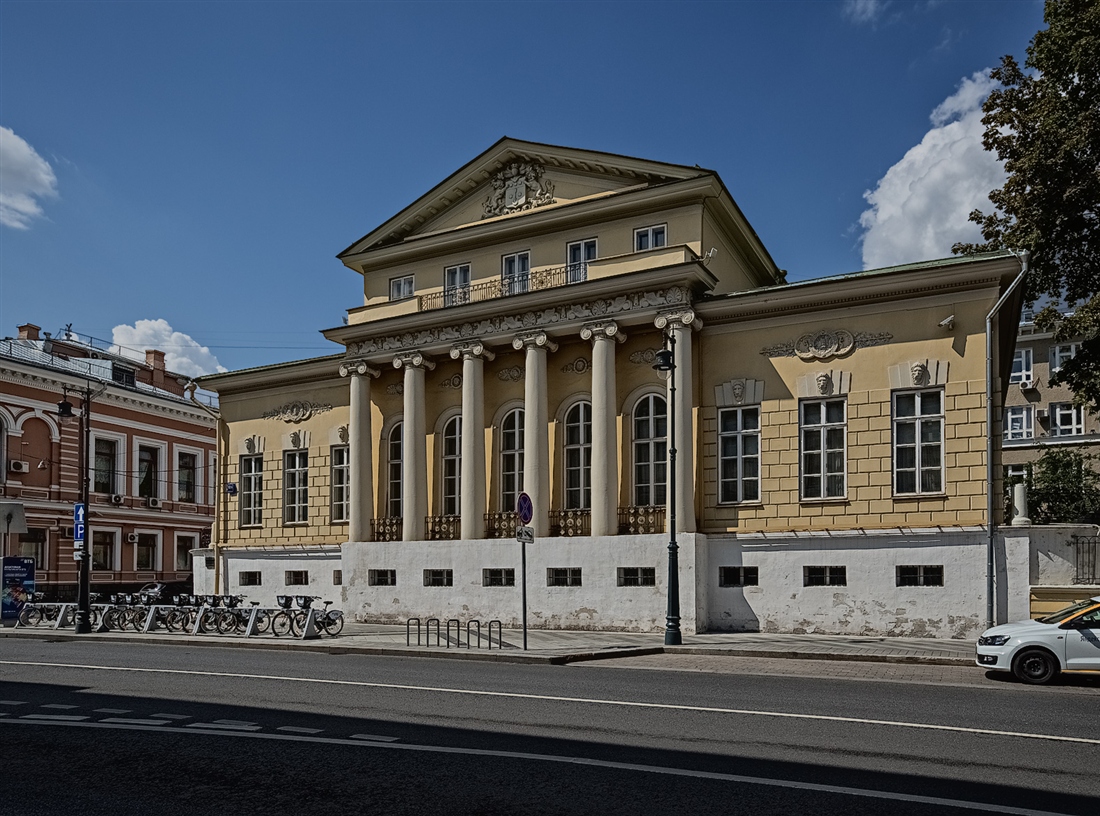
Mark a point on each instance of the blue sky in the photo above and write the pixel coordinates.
(196, 166)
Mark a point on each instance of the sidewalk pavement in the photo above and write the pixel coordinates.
(557, 646)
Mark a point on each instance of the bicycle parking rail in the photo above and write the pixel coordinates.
(500, 635)
(408, 631)
(470, 623)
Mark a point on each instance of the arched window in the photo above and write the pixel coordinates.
(452, 465)
(650, 451)
(394, 471)
(511, 459)
(578, 457)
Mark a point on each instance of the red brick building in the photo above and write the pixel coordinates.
(150, 462)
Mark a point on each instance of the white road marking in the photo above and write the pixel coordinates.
(234, 722)
(58, 705)
(54, 717)
(293, 729)
(112, 710)
(125, 721)
(12, 702)
(172, 716)
(595, 763)
(558, 699)
(223, 727)
(374, 737)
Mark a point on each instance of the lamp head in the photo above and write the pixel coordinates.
(664, 362)
(65, 410)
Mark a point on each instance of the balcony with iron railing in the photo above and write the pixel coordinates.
(641, 520)
(386, 529)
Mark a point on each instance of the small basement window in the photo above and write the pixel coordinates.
(296, 578)
(382, 577)
(498, 577)
(249, 578)
(637, 576)
(563, 576)
(438, 577)
(824, 576)
(920, 575)
(738, 576)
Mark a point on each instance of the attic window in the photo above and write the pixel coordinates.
(649, 238)
(122, 375)
(401, 288)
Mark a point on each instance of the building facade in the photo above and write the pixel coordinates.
(832, 459)
(149, 462)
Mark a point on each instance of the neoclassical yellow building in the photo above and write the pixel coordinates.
(832, 444)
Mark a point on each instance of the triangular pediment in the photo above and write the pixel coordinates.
(514, 177)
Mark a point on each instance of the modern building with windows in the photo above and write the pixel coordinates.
(833, 451)
(149, 462)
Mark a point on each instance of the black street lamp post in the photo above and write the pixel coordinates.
(82, 550)
(666, 365)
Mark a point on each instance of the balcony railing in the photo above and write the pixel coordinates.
(442, 528)
(501, 525)
(641, 520)
(533, 281)
(569, 523)
(385, 529)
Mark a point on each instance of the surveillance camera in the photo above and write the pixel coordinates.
(948, 322)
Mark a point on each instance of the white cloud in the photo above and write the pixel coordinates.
(920, 207)
(864, 11)
(182, 354)
(24, 177)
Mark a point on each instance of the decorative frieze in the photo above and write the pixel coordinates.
(298, 411)
(578, 366)
(452, 382)
(647, 357)
(519, 186)
(512, 374)
(827, 344)
(395, 389)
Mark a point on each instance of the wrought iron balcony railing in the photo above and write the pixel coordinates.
(385, 529)
(501, 525)
(570, 523)
(641, 520)
(442, 528)
(533, 281)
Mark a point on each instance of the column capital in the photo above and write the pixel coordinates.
(358, 367)
(603, 330)
(471, 349)
(537, 339)
(413, 359)
(678, 319)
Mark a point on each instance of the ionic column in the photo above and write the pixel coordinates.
(536, 435)
(414, 450)
(472, 499)
(605, 441)
(681, 324)
(360, 451)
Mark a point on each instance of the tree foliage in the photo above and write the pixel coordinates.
(1064, 488)
(1044, 124)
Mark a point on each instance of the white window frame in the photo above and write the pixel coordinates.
(822, 472)
(1022, 367)
(577, 270)
(195, 539)
(248, 486)
(339, 483)
(296, 506)
(731, 468)
(160, 481)
(199, 480)
(651, 235)
(918, 420)
(1019, 422)
(511, 459)
(211, 483)
(1066, 419)
(395, 471)
(1062, 353)
(403, 287)
(450, 470)
(120, 461)
(658, 489)
(582, 453)
(456, 292)
(515, 273)
(116, 548)
(158, 552)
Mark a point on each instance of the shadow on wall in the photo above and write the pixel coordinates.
(736, 614)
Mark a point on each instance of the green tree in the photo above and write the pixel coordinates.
(1064, 488)
(1044, 124)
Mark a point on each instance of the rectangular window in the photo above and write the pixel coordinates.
(188, 468)
(32, 544)
(148, 463)
(636, 576)
(438, 577)
(249, 578)
(577, 256)
(738, 576)
(1021, 367)
(649, 238)
(146, 551)
(921, 575)
(106, 463)
(295, 487)
(824, 576)
(382, 577)
(103, 550)
(824, 450)
(1066, 419)
(252, 490)
(122, 375)
(184, 545)
(563, 576)
(1060, 355)
(337, 577)
(401, 288)
(918, 442)
(1018, 422)
(456, 285)
(339, 493)
(739, 455)
(394, 472)
(515, 273)
(296, 578)
(498, 577)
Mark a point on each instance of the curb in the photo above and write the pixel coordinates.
(499, 656)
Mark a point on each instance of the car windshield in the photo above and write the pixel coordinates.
(1068, 612)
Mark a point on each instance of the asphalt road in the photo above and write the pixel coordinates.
(92, 728)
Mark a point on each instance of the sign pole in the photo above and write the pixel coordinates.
(525, 509)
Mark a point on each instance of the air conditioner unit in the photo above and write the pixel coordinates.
(117, 498)
(1027, 385)
(17, 466)
(131, 538)
(153, 502)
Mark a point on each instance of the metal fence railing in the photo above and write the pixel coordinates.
(1085, 559)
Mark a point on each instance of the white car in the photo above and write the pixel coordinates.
(1036, 650)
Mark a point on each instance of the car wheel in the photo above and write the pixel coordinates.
(1035, 666)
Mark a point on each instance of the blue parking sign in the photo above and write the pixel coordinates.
(78, 521)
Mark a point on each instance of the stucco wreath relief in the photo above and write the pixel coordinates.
(298, 411)
(826, 344)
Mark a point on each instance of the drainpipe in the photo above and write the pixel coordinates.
(1024, 257)
(219, 507)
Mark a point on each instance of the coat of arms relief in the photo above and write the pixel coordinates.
(519, 186)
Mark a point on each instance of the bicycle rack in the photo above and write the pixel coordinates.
(428, 632)
(458, 632)
(250, 629)
(309, 631)
(500, 635)
(469, 623)
(408, 631)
